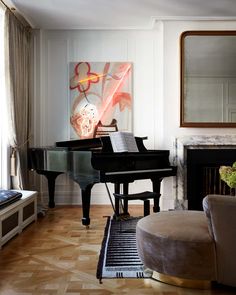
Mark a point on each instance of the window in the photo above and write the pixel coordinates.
(4, 165)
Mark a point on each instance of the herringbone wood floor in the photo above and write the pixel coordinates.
(57, 255)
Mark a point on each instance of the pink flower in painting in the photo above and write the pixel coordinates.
(83, 77)
(85, 121)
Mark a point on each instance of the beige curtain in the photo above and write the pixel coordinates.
(17, 50)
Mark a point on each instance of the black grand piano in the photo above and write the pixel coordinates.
(90, 161)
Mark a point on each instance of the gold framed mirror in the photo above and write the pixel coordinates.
(208, 79)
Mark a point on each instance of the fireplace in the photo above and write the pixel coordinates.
(198, 159)
(203, 174)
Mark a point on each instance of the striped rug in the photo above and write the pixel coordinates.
(119, 257)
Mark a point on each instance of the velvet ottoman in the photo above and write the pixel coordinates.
(177, 243)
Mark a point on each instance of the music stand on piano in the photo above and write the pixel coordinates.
(104, 130)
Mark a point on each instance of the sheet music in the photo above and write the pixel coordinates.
(123, 142)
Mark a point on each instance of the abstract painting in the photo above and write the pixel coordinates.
(99, 92)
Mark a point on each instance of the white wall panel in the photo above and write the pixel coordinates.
(55, 113)
(156, 87)
(58, 48)
(232, 91)
(172, 31)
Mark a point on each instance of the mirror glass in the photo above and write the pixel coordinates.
(208, 79)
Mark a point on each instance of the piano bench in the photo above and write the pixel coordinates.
(144, 196)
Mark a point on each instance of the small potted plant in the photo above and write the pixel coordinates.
(228, 175)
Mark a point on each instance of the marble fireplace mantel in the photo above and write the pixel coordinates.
(181, 145)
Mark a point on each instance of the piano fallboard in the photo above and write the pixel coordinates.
(131, 176)
(130, 161)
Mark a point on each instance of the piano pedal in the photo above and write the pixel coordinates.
(122, 216)
(105, 216)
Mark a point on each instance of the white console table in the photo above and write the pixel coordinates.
(15, 217)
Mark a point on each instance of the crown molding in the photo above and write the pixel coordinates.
(195, 18)
(150, 25)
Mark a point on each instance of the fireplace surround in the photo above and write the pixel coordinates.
(197, 156)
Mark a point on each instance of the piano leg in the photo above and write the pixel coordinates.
(117, 202)
(125, 192)
(51, 177)
(86, 197)
(156, 185)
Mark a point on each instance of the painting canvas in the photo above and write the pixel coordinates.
(99, 92)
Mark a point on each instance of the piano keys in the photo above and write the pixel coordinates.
(90, 161)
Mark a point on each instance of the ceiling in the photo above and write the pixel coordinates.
(118, 14)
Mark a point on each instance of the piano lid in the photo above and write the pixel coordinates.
(104, 143)
(83, 144)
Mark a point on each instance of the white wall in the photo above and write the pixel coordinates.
(54, 52)
(156, 88)
(171, 84)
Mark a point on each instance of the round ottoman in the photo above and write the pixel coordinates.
(177, 244)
